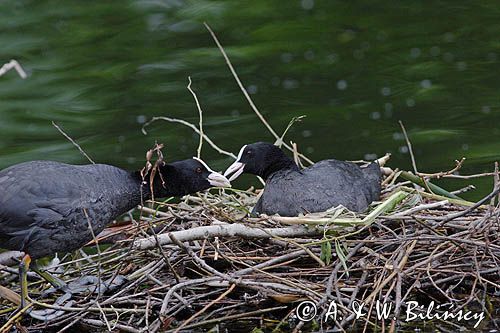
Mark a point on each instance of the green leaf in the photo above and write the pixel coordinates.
(257, 330)
(341, 254)
(326, 252)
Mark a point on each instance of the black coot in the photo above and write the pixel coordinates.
(47, 207)
(290, 191)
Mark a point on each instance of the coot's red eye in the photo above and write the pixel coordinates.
(198, 170)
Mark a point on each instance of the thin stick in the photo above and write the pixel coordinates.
(400, 266)
(116, 326)
(90, 308)
(206, 307)
(479, 175)
(410, 150)
(13, 64)
(279, 142)
(296, 155)
(442, 174)
(249, 99)
(99, 257)
(235, 316)
(73, 142)
(201, 117)
(496, 180)
(419, 208)
(7, 326)
(194, 128)
(467, 188)
(478, 204)
(243, 90)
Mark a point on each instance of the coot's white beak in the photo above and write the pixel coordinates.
(236, 168)
(216, 179)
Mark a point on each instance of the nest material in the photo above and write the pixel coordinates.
(217, 267)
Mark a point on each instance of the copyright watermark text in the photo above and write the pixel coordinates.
(412, 311)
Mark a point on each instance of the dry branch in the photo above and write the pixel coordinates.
(13, 64)
(227, 230)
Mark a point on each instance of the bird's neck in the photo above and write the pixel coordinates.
(282, 164)
(158, 185)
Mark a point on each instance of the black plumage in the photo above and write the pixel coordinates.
(290, 191)
(47, 207)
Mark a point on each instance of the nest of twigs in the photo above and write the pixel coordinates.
(203, 264)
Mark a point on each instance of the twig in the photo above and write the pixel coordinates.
(478, 204)
(464, 189)
(193, 127)
(243, 90)
(73, 142)
(245, 93)
(410, 150)
(205, 308)
(13, 64)
(401, 264)
(200, 112)
(279, 142)
(89, 224)
(420, 208)
(296, 155)
(7, 326)
(442, 174)
(496, 180)
(479, 175)
(232, 317)
(122, 328)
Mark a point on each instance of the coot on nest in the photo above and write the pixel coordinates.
(290, 191)
(47, 207)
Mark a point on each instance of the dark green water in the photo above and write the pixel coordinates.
(102, 68)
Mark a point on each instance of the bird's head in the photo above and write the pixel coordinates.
(260, 159)
(187, 176)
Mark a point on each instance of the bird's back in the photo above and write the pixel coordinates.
(325, 184)
(47, 206)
